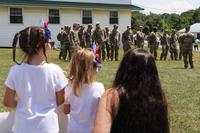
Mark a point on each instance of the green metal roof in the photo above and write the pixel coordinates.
(69, 4)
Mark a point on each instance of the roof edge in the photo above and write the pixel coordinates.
(70, 4)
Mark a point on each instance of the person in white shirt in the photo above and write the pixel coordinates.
(39, 86)
(82, 92)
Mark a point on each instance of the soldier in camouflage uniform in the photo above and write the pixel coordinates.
(75, 39)
(187, 40)
(98, 36)
(165, 45)
(180, 48)
(88, 37)
(66, 39)
(81, 36)
(107, 42)
(127, 39)
(140, 38)
(173, 46)
(153, 45)
(115, 42)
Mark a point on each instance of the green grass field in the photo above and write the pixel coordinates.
(182, 87)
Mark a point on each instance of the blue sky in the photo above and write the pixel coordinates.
(167, 6)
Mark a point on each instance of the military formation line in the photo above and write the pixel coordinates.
(108, 42)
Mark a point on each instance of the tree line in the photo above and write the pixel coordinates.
(165, 21)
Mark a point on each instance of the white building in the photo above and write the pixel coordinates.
(195, 29)
(18, 14)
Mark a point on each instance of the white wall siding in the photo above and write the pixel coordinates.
(68, 16)
(100, 1)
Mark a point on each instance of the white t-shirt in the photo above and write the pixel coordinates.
(83, 108)
(36, 87)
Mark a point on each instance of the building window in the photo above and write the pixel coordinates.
(87, 17)
(54, 16)
(114, 17)
(16, 16)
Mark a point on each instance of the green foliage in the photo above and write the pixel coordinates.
(165, 21)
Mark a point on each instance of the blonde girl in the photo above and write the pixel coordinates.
(82, 93)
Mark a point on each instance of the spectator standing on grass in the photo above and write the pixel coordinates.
(39, 86)
(136, 102)
(82, 93)
(196, 45)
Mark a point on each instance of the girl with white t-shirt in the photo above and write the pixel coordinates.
(82, 92)
(39, 86)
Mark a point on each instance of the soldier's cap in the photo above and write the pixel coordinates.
(128, 27)
(89, 25)
(141, 26)
(106, 27)
(97, 23)
(187, 27)
(115, 25)
(66, 26)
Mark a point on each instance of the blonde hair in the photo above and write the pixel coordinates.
(81, 69)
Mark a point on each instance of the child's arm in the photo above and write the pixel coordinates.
(60, 97)
(9, 98)
(66, 108)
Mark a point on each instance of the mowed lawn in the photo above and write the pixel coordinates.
(182, 87)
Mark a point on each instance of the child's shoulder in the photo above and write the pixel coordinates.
(98, 85)
(54, 66)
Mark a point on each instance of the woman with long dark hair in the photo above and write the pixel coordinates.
(136, 102)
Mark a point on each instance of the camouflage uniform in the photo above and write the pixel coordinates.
(81, 36)
(88, 37)
(115, 42)
(187, 40)
(127, 39)
(173, 47)
(139, 39)
(107, 42)
(180, 48)
(165, 46)
(75, 39)
(153, 45)
(98, 36)
(67, 44)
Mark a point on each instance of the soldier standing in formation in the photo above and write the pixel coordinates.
(173, 47)
(67, 43)
(187, 39)
(139, 40)
(164, 41)
(88, 37)
(152, 42)
(127, 39)
(81, 36)
(98, 36)
(107, 42)
(115, 42)
(75, 38)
